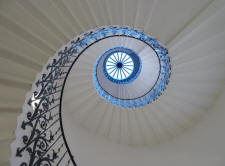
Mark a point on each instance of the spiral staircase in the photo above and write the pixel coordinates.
(183, 127)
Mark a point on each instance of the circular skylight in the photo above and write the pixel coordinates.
(119, 65)
(132, 69)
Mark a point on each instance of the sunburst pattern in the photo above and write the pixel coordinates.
(119, 65)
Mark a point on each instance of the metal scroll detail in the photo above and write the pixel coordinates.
(40, 136)
(44, 143)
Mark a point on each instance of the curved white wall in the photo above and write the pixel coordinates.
(203, 145)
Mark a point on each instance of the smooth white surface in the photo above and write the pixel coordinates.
(202, 146)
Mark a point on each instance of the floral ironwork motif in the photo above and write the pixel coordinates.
(43, 121)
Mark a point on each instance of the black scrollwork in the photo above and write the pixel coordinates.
(38, 144)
